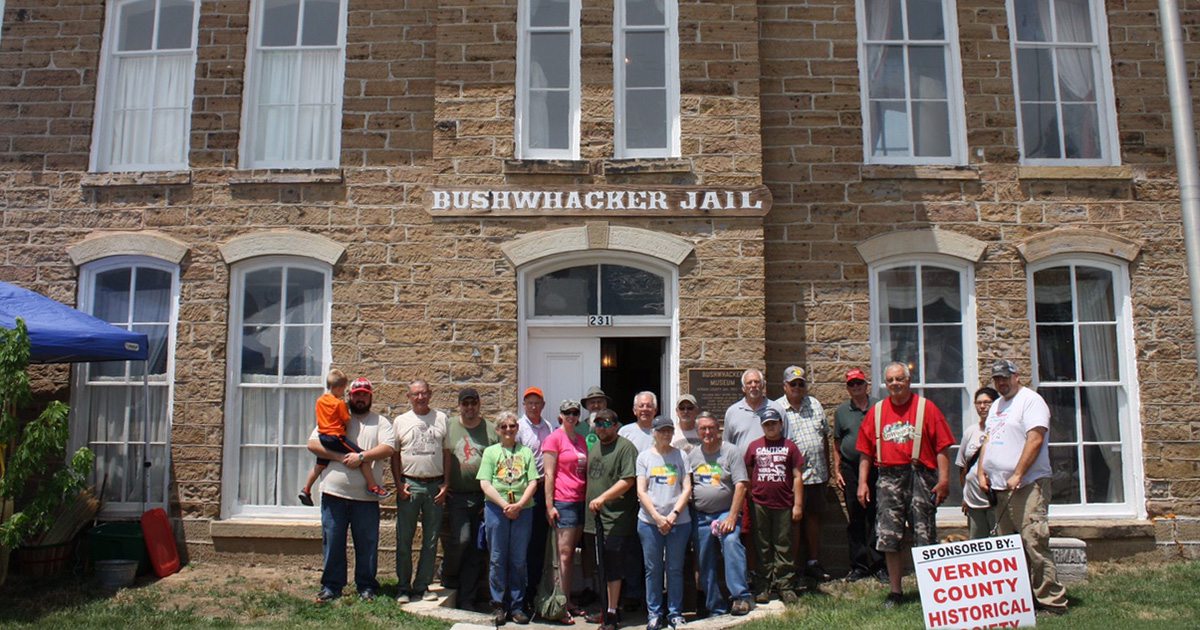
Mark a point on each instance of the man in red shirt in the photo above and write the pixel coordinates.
(908, 444)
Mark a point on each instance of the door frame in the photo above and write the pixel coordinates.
(665, 326)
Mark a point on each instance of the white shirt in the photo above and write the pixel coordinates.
(367, 431)
(532, 435)
(419, 439)
(1007, 423)
(972, 439)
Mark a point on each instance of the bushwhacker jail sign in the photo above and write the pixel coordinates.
(975, 584)
(600, 201)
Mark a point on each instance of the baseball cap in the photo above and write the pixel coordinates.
(687, 398)
(467, 392)
(662, 422)
(794, 372)
(361, 384)
(1004, 367)
(533, 390)
(568, 404)
(855, 375)
(770, 415)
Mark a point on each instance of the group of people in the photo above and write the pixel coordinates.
(745, 492)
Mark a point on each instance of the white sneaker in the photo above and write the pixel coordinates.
(429, 596)
(402, 598)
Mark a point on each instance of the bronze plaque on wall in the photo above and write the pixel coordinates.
(715, 390)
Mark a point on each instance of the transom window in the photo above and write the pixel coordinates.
(603, 289)
(294, 88)
(910, 70)
(1081, 330)
(646, 68)
(110, 398)
(1061, 66)
(145, 103)
(279, 351)
(548, 109)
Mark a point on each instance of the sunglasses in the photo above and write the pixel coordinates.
(570, 412)
(687, 407)
(604, 424)
(507, 427)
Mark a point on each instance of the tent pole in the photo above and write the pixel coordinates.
(145, 433)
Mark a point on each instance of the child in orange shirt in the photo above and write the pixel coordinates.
(332, 416)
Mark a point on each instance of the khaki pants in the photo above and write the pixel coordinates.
(1023, 511)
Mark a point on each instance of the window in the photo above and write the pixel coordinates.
(646, 78)
(109, 398)
(278, 354)
(293, 112)
(1079, 313)
(1063, 82)
(599, 290)
(548, 79)
(924, 316)
(912, 96)
(147, 70)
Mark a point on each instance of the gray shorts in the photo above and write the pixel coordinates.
(904, 496)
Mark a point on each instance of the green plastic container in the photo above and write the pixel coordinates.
(119, 541)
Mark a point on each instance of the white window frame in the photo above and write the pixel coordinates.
(1105, 93)
(103, 122)
(231, 475)
(966, 271)
(954, 88)
(520, 124)
(1128, 400)
(671, 17)
(81, 419)
(250, 95)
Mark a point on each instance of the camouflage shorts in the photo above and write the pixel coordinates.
(904, 497)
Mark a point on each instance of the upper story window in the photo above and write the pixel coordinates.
(109, 399)
(646, 78)
(1082, 366)
(296, 65)
(147, 70)
(1061, 64)
(912, 88)
(548, 80)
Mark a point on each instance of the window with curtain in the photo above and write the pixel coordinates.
(912, 96)
(548, 79)
(1064, 85)
(147, 71)
(646, 78)
(923, 317)
(1081, 325)
(279, 351)
(293, 112)
(109, 411)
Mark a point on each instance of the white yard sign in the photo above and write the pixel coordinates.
(975, 584)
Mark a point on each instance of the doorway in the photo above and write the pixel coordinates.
(629, 365)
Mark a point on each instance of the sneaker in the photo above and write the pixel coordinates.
(367, 595)
(380, 492)
(306, 498)
(654, 623)
(403, 598)
(326, 596)
(499, 615)
(428, 596)
(789, 597)
(740, 607)
(882, 576)
(815, 571)
(857, 574)
(519, 616)
(677, 621)
(893, 600)
(762, 598)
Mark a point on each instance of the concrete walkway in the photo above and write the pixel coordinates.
(443, 608)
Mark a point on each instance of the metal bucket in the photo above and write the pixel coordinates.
(116, 574)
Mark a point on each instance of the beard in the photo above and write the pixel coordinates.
(359, 407)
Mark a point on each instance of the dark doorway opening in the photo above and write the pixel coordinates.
(629, 365)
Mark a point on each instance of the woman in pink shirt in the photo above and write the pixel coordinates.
(564, 458)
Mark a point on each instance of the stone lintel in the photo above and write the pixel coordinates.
(147, 243)
(282, 243)
(596, 236)
(1077, 241)
(917, 242)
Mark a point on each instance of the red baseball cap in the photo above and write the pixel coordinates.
(361, 384)
(855, 375)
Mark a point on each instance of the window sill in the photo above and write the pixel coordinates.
(637, 166)
(1075, 172)
(895, 171)
(139, 178)
(288, 176)
(547, 167)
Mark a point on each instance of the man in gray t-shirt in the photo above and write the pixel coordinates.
(719, 487)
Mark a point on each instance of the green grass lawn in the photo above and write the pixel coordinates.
(1148, 594)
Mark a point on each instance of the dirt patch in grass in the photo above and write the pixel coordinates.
(228, 590)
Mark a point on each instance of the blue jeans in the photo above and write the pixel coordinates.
(654, 546)
(508, 544)
(419, 507)
(360, 518)
(729, 546)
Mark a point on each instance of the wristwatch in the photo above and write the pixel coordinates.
(361, 459)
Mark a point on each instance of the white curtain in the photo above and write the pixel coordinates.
(297, 112)
(258, 480)
(148, 110)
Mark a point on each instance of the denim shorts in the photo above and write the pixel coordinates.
(570, 514)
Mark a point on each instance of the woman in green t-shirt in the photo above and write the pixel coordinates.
(507, 475)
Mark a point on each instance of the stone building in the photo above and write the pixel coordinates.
(500, 194)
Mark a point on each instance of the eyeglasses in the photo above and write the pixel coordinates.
(570, 412)
(507, 427)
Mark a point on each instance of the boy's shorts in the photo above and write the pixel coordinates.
(337, 444)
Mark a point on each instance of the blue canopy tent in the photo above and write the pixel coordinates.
(61, 334)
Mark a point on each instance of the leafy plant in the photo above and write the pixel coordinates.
(26, 450)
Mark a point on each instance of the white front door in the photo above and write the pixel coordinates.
(564, 367)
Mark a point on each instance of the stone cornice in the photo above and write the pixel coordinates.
(917, 242)
(147, 243)
(596, 235)
(1077, 241)
(282, 243)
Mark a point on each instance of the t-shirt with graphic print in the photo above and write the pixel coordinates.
(510, 471)
(713, 477)
(466, 452)
(771, 466)
(899, 428)
(664, 482)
